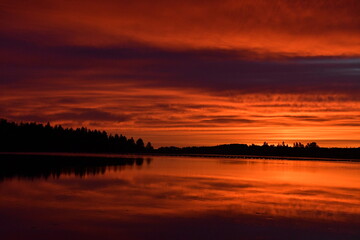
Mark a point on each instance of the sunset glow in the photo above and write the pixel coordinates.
(187, 72)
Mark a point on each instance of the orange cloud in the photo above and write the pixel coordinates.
(300, 28)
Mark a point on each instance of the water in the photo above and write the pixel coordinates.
(161, 197)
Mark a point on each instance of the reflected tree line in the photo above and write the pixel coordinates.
(35, 137)
(54, 166)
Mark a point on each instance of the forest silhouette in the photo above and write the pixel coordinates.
(35, 137)
(298, 150)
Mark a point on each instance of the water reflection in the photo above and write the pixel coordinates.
(189, 198)
(30, 166)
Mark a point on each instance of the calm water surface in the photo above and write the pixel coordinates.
(185, 198)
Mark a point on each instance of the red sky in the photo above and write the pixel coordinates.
(186, 72)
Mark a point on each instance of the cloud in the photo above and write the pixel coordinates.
(74, 114)
(327, 27)
(211, 69)
(185, 71)
(84, 114)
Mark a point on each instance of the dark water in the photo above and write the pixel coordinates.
(179, 198)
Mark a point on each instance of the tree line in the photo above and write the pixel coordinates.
(37, 137)
(298, 149)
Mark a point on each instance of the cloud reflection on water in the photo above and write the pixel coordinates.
(234, 201)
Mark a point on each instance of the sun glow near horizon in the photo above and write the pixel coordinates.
(205, 74)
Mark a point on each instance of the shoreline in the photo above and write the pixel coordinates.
(230, 156)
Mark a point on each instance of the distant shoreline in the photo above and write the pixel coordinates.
(229, 156)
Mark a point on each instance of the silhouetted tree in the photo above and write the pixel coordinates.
(140, 143)
(298, 145)
(312, 145)
(149, 147)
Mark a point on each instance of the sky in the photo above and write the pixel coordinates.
(186, 73)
